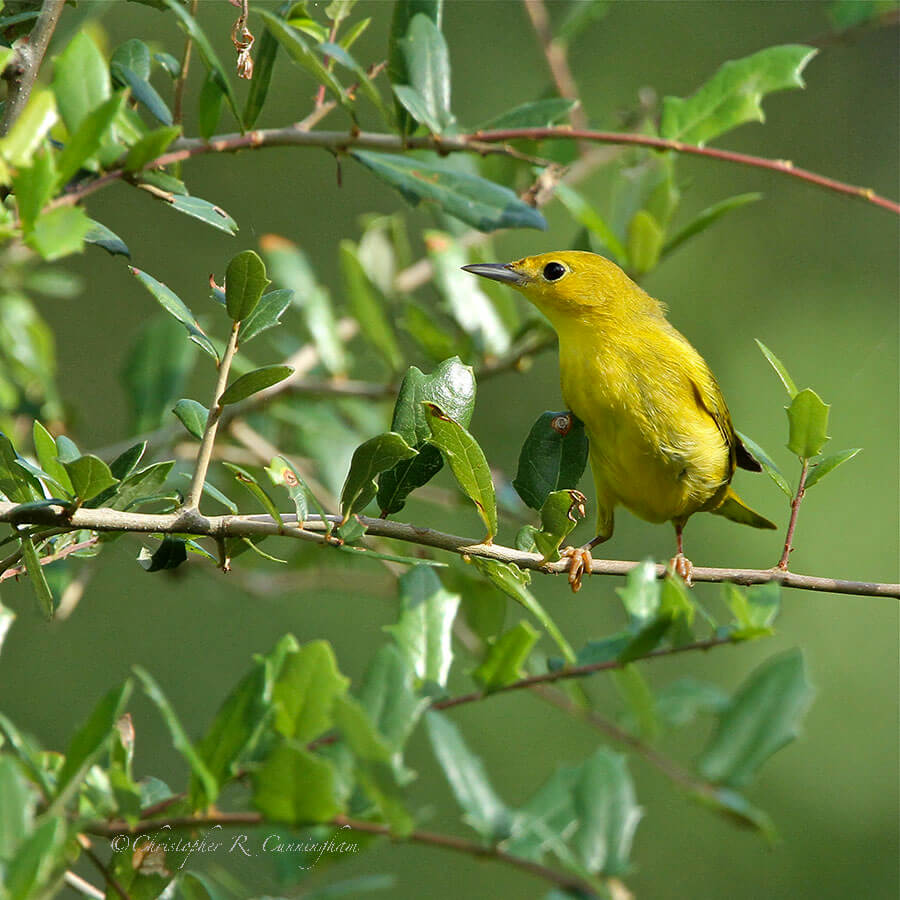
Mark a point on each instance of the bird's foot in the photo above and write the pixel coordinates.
(683, 567)
(580, 563)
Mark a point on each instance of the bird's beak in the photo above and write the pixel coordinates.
(497, 272)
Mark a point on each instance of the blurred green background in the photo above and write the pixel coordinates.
(812, 274)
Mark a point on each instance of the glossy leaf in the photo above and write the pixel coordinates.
(404, 12)
(192, 415)
(762, 717)
(513, 582)
(16, 484)
(754, 610)
(607, 811)
(169, 554)
(707, 217)
(475, 201)
(470, 306)
(536, 114)
(104, 237)
(45, 450)
(506, 656)
(553, 457)
(253, 382)
(452, 387)
(734, 94)
(822, 467)
(428, 70)
(779, 368)
(204, 211)
(142, 91)
(559, 515)
(80, 80)
(266, 315)
(467, 461)
(369, 460)
(369, 306)
(245, 281)
(175, 306)
(290, 267)
(145, 482)
(297, 787)
(423, 631)
(768, 464)
(89, 476)
(483, 809)
(135, 55)
(808, 419)
(150, 146)
(282, 472)
(38, 579)
(250, 484)
(305, 691)
(264, 54)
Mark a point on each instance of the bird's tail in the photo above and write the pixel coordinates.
(732, 507)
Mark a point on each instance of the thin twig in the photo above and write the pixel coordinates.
(188, 521)
(212, 422)
(429, 838)
(108, 876)
(23, 70)
(85, 888)
(483, 142)
(181, 81)
(53, 557)
(792, 523)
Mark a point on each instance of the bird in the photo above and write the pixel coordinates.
(661, 439)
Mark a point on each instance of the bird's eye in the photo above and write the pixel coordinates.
(553, 271)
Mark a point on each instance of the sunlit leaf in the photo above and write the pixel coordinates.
(822, 467)
(808, 419)
(370, 459)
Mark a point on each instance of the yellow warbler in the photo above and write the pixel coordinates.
(661, 439)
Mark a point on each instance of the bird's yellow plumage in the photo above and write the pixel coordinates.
(661, 439)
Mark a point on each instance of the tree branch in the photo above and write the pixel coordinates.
(482, 142)
(191, 522)
(23, 70)
(792, 524)
(428, 838)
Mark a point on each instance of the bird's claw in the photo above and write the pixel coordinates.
(683, 567)
(580, 563)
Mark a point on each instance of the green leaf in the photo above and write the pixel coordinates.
(59, 232)
(428, 70)
(762, 717)
(404, 12)
(253, 382)
(38, 580)
(290, 267)
(16, 484)
(779, 368)
(103, 237)
(45, 450)
(7, 617)
(142, 91)
(808, 419)
(300, 52)
(467, 461)
(581, 14)
(305, 691)
(180, 740)
(423, 632)
(17, 802)
(634, 690)
(33, 187)
(338, 53)
(645, 241)
(245, 281)
(176, 307)
(769, 466)
(734, 94)
(249, 483)
(80, 80)
(553, 457)
(507, 654)
(204, 211)
(586, 215)
(470, 306)
(170, 554)
(281, 472)
(605, 806)
(209, 107)
(38, 117)
(266, 315)
(263, 63)
(452, 386)
(297, 787)
(89, 476)
(512, 581)
(473, 200)
(144, 483)
(754, 610)
(707, 217)
(135, 55)
(483, 809)
(89, 742)
(38, 863)
(828, 464)
(735, 807)
(680, 702)
(189, 25)
(192, 415)
(370, 459)
(150, 146)
(369, 306)
(641, 594)
(559, 515)
(537, 114)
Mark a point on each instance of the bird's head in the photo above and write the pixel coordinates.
(568, 284)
